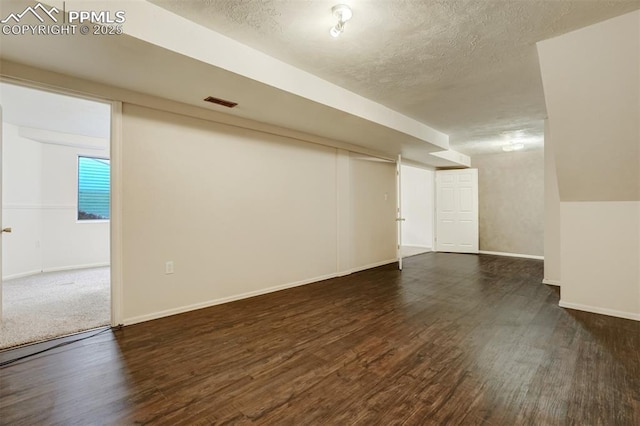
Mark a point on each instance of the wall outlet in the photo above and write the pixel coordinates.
(168, 267)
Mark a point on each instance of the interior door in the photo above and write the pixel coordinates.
(457, 211)
(1, 225)
(399, 218)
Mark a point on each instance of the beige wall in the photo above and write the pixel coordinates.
(373, 211)
(601, 257)
(205, 246)
(240, 212)
(591, 81)
(511, 191)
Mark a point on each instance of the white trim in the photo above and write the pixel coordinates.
(52, 137)
(601, 311)
(364, 268)
(420, 250)
(551, 282)
(499, 253)
(56, 269)
(73, 267)
(207, 304)
(38, 207)
(420, 247)
(21, 275)
(116, 215)
(399, 217)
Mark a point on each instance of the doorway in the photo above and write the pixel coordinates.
(417, 206)
(56, 204)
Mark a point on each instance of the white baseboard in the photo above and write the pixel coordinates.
(365, 267)
(20, 275)
(209, 303)
(499, 253)
(418, 250)
(57, 269)
(370, 266)
(71, 268)
(598, 310)
(551, 282)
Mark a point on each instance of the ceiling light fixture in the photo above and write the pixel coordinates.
(343, 13)
(512, 146)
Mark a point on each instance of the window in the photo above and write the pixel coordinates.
(94, 176)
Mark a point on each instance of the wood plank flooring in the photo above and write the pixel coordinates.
(453, 339)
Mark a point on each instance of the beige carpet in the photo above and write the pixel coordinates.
(54, 304)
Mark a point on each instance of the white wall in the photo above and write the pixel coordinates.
(601, 257)
(591, 80)
(22, 195)
(552, 228)
(417, 206)
(241, 212)
(39, 203)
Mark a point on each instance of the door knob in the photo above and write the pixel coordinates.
(7, 230)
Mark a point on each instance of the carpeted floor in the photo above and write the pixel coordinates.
(53, 304)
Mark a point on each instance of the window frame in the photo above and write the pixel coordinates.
(77, 209)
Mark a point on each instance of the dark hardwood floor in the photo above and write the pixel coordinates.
(453, 339)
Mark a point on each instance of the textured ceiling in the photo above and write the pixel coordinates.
(468, 68)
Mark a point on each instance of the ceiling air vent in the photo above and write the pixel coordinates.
(219, 101)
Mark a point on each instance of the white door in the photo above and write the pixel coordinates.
(399, 218)
(1, 225)
(457, 211)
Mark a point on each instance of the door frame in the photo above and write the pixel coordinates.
(115, 221)
(117, 317)
(1, 233)
(399, 210)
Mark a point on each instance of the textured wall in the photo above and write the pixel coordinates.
(511, 187)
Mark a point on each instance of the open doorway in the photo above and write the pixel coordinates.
(417, 188)
(56, 201)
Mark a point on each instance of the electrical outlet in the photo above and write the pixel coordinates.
(168, 267)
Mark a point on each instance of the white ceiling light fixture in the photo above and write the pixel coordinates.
(512, 146)
(343, 13)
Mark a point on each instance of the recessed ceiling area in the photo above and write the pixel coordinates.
(186, 80)
(146, 61)
(466, 68)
